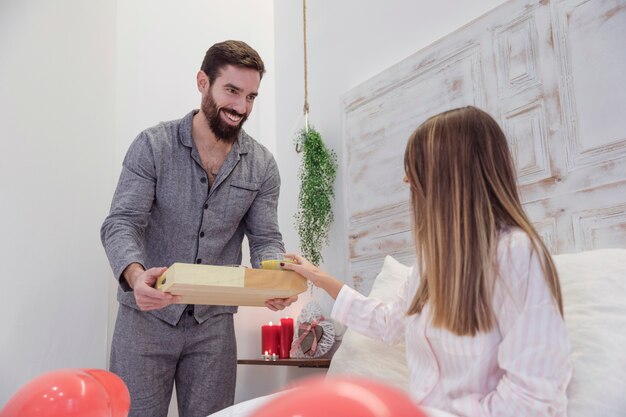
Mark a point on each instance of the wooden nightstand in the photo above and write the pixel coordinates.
(300, 363)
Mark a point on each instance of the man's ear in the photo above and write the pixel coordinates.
(202, 81)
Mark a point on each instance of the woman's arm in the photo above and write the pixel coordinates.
(368, 316)
(318, 277)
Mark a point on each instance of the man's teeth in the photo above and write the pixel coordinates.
(233, 117)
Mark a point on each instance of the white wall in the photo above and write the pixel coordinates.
(57, 62)
(349, 42)
(80, 79)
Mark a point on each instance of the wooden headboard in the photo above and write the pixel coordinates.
(553, 73)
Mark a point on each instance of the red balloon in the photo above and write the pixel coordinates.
(340, 397)
(62, 393)
(117, 390)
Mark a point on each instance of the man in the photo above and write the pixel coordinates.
(189, 191)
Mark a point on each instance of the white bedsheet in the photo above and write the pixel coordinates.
(246, 408)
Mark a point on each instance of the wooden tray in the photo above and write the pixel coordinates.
(230, 286)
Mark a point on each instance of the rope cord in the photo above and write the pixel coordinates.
(306, 87)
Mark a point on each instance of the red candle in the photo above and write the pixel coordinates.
(286, 336)
(269, 339)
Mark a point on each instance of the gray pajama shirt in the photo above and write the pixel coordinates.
(163, 211)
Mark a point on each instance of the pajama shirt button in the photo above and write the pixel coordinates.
(203, 180)
(201, 234)
(198, 261)
(206, 206)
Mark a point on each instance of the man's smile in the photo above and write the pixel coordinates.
(232, 117)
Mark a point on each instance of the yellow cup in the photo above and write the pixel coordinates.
(274, 261)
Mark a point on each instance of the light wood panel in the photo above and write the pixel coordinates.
(553, 73)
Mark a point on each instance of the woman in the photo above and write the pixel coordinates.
(481, 312)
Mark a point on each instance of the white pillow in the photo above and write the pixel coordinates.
(362, 356)
(593, 284)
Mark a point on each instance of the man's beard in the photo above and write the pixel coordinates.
(222, 131)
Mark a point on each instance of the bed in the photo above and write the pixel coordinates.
(247, 408)
(594, 294)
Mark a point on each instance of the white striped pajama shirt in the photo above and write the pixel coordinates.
(520, 368)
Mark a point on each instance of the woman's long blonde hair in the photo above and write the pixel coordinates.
(463, 193)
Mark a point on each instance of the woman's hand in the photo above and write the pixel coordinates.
(318, 277)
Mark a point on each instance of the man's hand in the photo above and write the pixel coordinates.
(142, 282)
(276, 304)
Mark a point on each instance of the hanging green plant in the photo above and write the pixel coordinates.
(317, 177)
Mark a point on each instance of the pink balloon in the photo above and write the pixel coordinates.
(117, 390)
(340, 397)
(61, 393)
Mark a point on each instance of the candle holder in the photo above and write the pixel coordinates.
(266, 356)
(274, 357)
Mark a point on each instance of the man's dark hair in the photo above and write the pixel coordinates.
(236, 53)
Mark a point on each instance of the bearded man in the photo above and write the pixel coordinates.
(189, 191)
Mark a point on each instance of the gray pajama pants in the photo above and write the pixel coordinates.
(150, 355)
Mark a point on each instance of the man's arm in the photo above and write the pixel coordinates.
(122, 230)
(261, 226)
(132, 273)
(261, 220)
